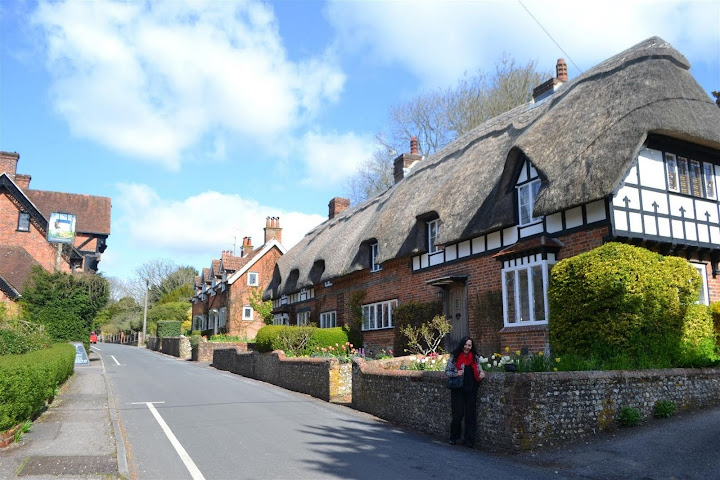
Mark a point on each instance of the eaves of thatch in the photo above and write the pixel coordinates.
(581, 140)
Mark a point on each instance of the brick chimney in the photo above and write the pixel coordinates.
(8, 163)
(546, 89)
(406, 161)
(247, 247)
(337, 205)
(272, 229)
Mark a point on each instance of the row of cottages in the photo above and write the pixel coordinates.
(221, 303)
(24, 218)
(628, 151)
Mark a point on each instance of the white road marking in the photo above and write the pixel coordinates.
(189, 464)
(113, 357)
(93, 347)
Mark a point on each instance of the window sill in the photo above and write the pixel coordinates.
(377, 329)
(535, 327)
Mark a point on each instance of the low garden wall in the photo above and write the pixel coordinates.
(523, 411)
(175, 346)
(206, 349)
(323, 378)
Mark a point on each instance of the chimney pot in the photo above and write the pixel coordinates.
(405, 161)
(273, 230)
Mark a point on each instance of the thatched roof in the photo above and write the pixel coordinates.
(581, 140)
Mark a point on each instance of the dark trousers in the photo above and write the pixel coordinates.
(463, 404)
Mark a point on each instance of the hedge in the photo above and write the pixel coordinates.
(169, 328)
(621, 300)
(270, 337)
(28, 381)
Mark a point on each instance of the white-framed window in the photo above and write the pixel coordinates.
(432, 232)
(213, 320)
(328, 320)
(378, 315)
(223, 317)
(198, 321)
(303, 317)
(253, 279)
(702, 270)
(374, 250)
(524, 289)
(690, 177)
(247, 313)
(281, 319)
(23, 222)
(527, 194)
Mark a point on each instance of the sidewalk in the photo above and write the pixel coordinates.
(75, 437)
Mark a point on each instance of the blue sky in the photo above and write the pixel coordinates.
(200, 119)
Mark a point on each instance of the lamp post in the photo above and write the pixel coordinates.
(147, 287)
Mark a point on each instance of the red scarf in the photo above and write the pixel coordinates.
(468, 359)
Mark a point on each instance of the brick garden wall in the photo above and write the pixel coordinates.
(206, 349)
(522, 411)
(322, 378)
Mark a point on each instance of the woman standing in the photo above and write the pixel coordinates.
(464, 361)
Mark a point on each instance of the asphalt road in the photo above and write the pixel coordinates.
(181, 420)
(225, 426)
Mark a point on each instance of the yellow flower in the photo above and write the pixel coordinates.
(555, 369)
(507, 349)
(541, 353)
(517, 352)
(557, 359)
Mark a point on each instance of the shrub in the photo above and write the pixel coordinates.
(427, 338)
(699, 340)
(327, 337)
(414, 315)
(169, 328)
(664, 408)
(621, 300)
(629, 417)
(267, 338)
(18, 337)
(28, 381)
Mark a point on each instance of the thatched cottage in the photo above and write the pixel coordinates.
(629, 151)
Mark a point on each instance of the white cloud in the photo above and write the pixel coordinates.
(150, 79)
(331, 158)
(438, 41)
(202, 225)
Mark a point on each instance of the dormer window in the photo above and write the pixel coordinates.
(432, 233)
(374, 265)
(690, 177)
(527, 194)
(23, 222)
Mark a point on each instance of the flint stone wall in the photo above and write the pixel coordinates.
(524, 411)
(206, 349)
(318, 377)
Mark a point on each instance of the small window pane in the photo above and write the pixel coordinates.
(709, 180)
(695, 178)
(24, 222)
(672, 174)
(683, 175)
(510, 297)
(524, 295)
(538, 293)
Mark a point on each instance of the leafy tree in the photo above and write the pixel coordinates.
(173, 311)
(437, 117)
(264, 309)
(717, 98)
(183, 293)
(125, 314)
(163, 276)
(65, 304)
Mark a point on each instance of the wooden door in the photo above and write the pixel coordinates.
(456, 311)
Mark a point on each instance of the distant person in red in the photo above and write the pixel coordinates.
(464, 361)
(93, 337)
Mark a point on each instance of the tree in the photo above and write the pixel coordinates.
(717, 98)
(179, 311)
(438, 117)
(162, 275)
(66, 304)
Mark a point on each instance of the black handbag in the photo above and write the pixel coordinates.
(454, 382)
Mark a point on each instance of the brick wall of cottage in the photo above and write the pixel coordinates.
(33, 241)
(396, 280)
